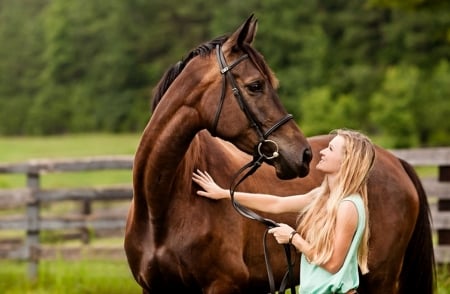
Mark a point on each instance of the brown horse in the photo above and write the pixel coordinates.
(167, 235)
(177, 241)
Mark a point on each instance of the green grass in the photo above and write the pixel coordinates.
(22, 149)
(68, 277)
(93, 276)
(59, 276)
(443, 280)
(17, 149)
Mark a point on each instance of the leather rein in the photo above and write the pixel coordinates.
(258, 158)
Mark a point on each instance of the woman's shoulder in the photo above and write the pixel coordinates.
(357, 201)
(354, 198)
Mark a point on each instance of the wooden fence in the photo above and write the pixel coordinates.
(33, 197)
(438, 192)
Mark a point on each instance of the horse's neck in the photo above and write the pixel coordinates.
(159, 160)
(163, 146)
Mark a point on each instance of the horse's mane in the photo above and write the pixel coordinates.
(203, 50)
(172, 73)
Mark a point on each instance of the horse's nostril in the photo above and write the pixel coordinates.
(307, 156)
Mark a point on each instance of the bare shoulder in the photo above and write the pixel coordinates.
(347, 206)
(347, 213)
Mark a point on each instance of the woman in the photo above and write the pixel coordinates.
(332, 232)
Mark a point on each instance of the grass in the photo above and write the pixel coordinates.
(60, 276)
(22, 149)
(99, 276)
(443, 280)
(16, 149)
(73, 277)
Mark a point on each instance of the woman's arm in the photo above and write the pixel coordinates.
(346, 224)
(262, 202)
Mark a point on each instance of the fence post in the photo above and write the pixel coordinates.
(86, 210)
(444, 205)
(32, 238)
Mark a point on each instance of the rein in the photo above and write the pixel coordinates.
(252, 166)
(248, 213)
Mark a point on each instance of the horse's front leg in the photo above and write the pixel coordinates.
(228, 279)
(223, 287)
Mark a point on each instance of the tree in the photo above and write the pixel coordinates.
(20, 60)
(88, 66)
(391, 106)
(431, 112)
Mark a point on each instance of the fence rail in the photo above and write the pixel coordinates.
(438, 192)
(33, 197)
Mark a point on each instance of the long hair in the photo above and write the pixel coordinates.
(318, 220)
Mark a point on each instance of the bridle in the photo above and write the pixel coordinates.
(258, 158)
(225, 70)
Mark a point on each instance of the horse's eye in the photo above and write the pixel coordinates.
(255, 87)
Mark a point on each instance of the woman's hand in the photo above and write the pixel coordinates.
(211, 189)
(282, 233)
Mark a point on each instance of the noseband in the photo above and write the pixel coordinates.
(258, 158)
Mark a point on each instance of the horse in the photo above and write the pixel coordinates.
(165, 222)
(178, 241)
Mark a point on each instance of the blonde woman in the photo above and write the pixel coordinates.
(332, 232)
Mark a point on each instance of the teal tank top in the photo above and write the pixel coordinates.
(316, 280)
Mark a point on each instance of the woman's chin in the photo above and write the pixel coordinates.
(319, 166)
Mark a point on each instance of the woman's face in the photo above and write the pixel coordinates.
(332, 156)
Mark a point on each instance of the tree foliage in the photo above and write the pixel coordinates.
(89, 65)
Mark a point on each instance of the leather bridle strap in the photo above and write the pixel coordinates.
(225, 71)
(258, 158)
(253, 166)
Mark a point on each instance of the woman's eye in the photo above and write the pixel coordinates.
(255, 87)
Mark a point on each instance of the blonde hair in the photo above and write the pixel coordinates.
(318, 220)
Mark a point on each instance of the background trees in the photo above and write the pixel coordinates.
(84, 66)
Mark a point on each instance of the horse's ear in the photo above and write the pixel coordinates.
(244, 34)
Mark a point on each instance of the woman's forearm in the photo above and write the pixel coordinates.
(332, 266)
(301, 245)
(262, 202)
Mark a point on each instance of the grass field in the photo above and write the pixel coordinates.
(59, 276)
(85, 275)
(16, 149)
(68, 277)
(20, 149)
(93, 276)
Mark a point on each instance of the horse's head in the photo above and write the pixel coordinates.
(246, 110)
(229, 89)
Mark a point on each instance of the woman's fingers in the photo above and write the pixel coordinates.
(209, 177)
(202, 177)
(281, 233)
(198, 176)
